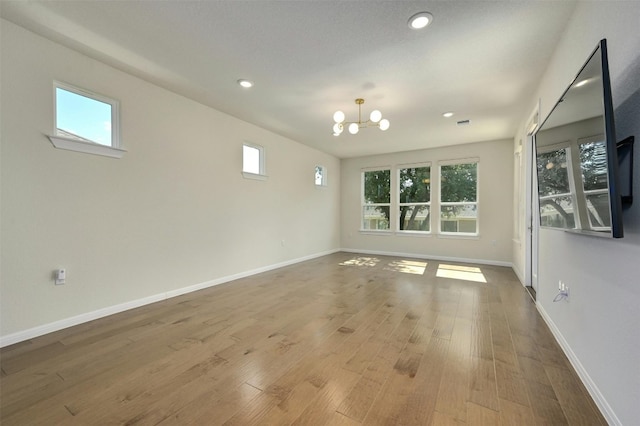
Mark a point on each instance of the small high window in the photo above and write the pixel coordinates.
(253, 164)
(321, 176)
(86, 122)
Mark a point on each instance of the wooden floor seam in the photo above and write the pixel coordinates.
(344, 339)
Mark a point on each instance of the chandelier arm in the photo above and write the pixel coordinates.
(361, 124)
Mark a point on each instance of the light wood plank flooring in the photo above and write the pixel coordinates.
(344, 339)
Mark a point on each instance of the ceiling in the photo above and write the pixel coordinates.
(480, 59)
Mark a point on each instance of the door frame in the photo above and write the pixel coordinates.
(532, 222)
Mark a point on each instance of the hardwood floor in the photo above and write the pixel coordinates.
(341, 340)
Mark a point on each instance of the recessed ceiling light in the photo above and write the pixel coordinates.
(420, 20)
(245, 83)
(447, 114)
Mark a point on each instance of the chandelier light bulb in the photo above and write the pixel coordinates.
(375, 116)
(340, 123)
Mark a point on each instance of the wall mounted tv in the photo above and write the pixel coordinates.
(576, 158)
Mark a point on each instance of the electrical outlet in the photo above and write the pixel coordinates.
(563, 292)
(60, 276)
(563, 289)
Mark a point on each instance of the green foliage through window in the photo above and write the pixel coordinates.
(414, 197)
(377, 199)
(459, 198)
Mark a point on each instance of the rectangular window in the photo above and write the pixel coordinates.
(376, 199)
(253, 164)
(85, 122)
(595, 181)
(459, 198)
(85, 116)
(557, 198)
(414, 199)
(321, 176)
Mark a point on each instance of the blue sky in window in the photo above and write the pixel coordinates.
(84, 117)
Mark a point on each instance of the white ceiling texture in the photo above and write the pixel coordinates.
(308, 58)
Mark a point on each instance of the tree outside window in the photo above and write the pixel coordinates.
(554, 188)
(376, 199)
(595, 180)
(459, 198)
(415, 199)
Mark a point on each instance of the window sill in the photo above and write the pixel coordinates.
(374, 232)
(413, 234)
(254, 176)
(86, 147)
(459, 236)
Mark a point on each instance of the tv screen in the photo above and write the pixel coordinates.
(576, 159)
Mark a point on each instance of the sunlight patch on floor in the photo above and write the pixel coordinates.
(407, 267)
(361, 261)
(457, 272)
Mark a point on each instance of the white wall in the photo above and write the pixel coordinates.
(598, 326)
(495, 206)
(174, 212)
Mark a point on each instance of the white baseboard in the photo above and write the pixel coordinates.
(31, 333)
(431, 257)
(593, 390)
(519, 274)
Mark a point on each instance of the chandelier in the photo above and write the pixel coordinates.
(375, 120)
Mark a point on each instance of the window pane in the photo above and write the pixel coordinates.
(83, 118)
(414, 218)
(250, 159)
(375, 217)
(552, 173)
(593, 164)
(449, 226)
(598, 209)
(557, 212)
(377, 187)
(415, 185)
(319, 175)
(462, 218)
(458, 183)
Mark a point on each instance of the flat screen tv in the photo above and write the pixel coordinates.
(576, 158)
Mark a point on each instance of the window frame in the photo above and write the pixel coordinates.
(113, 150)
(364, 204)
(442, 204)
(261, 175)
(399, 205)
